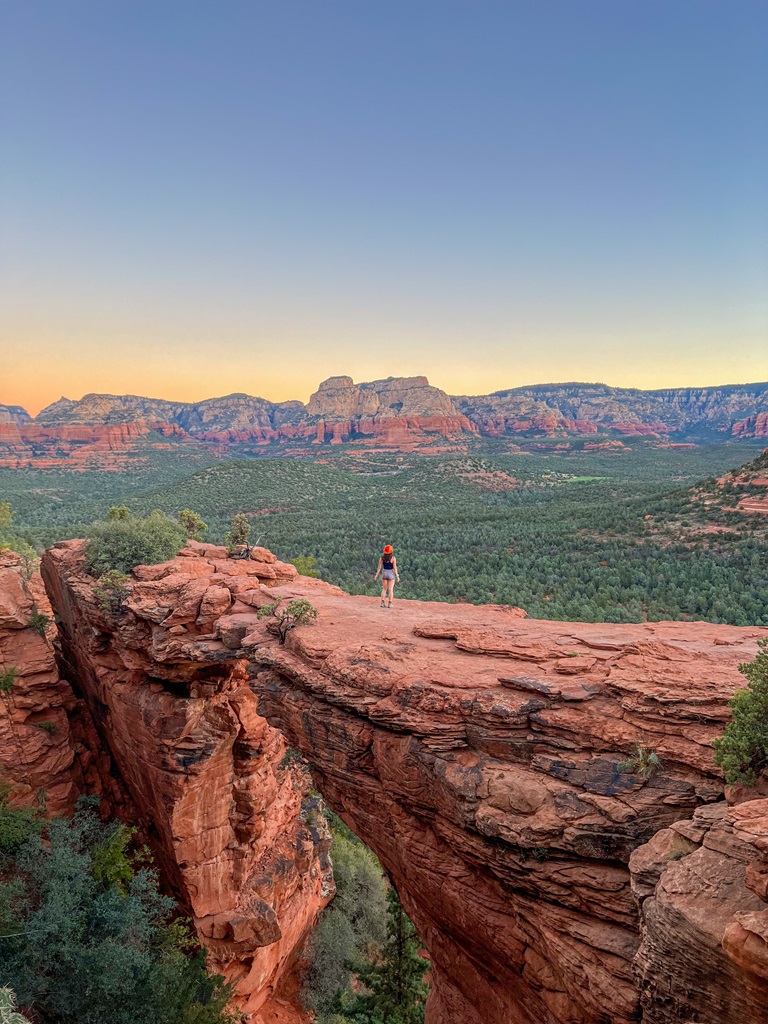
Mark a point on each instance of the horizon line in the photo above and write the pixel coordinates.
(519, 387)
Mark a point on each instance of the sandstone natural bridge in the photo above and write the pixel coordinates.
(476, 751)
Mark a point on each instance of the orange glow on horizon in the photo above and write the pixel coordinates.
(34, 389)
(38, 369)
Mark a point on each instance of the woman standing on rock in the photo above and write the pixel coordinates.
(388, 569)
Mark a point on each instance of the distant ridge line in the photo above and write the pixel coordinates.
(342, 409)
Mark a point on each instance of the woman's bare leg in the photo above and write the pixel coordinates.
(391, 590)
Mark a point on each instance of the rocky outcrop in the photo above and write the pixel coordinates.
(587, 408)
(230, 820)
(14, 414)
(752, 426)
(494, 764)
(703, 884)
(47, 754)
(79, 446)
(339, 398)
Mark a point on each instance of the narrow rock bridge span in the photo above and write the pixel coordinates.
(482, 755)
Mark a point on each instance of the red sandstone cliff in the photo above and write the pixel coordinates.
(46, 739)
(702, 885)
(477, 752)
(232, 826)
(397, 414)
(752, 426)
(78, 446)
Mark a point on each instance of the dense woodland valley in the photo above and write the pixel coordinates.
(619, 532)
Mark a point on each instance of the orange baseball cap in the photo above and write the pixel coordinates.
(388, 549)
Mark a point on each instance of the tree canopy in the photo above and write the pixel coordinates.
(85, 935)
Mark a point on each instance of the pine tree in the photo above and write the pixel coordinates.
(396, 980)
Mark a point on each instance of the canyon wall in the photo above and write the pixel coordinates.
(231, 823)
(702, 885)
(494, 763)
(81, 446)
(49, 750)
(397, 414)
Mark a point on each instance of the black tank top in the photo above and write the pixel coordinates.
(386, 561)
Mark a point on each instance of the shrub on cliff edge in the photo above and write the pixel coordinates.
(120, 544)
(742, 750)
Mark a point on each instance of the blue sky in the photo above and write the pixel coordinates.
(199, 198)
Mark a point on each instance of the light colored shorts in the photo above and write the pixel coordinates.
(388, 574)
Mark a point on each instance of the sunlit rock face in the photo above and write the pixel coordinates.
(232, 825)
(495, 764)
(395, 414)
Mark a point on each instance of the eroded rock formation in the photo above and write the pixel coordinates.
(47, 751)
(702, 884)
(80, 447)
(230, 821)
(752, 426)
(397, 413)
(486, 758)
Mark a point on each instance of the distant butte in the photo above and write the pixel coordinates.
(395, 414)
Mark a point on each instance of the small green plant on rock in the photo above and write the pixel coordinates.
(238, 534)
(643, 762)
(293, 759)
(742, 750)
(111, 590)
(49, 727)
(295, 613)
(39, 621)
(125, 541)
(7, 678)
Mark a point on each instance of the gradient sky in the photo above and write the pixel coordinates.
(201, 198)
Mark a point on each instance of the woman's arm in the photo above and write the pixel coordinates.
(394, 566)
(378, 569)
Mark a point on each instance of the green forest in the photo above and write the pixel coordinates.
(606, 535)
(86, 936)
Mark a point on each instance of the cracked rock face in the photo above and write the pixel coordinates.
(492, 762)
(226, 816)
(702, 886)
(47, 754)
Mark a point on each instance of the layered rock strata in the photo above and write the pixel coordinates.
(702, 884)
(232, 824)
(81, 447)
(493, 763)
(47, 751)
(398, 413)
